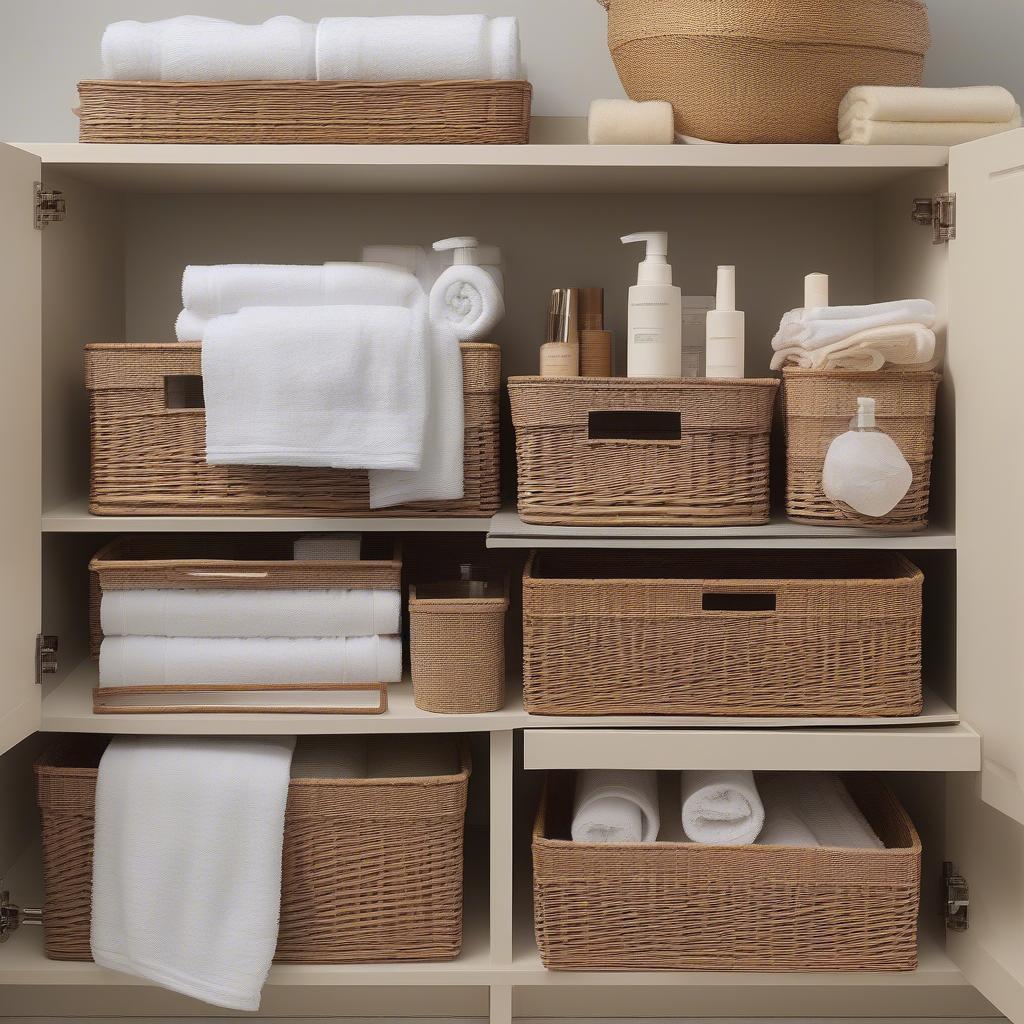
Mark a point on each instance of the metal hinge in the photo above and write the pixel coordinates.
(13, 917)
(46, 656)
(939, 214)
(956, 897)
(49, 205)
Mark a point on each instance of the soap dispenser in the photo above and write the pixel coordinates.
(655, 324)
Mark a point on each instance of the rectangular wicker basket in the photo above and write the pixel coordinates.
(676, 906)
(392, 113)
(595, 451)
(410, 830)
(148, 433)
(721, 633)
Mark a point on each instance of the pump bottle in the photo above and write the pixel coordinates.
(726, 335)
(655, 324)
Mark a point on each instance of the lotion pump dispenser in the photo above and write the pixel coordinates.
(655, 324)
(726, 336)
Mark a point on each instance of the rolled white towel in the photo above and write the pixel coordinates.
(859, 132)
(181, 661)
(616, 807)
(826, 807)
(721, 808)
(467, 300)
(428, 265)
(329, 547)
(911, 345)
(626, 123)
(418, 48)
(209, 291)
(198, 49)
(976, 103)
(826, 325)
(783, 825)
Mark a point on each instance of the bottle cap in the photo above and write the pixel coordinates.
(654, 269)
(464, 246)
(865, 414)
(563, 316)
(815, 291)
(726, 297)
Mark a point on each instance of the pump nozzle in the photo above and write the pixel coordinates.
(654, 269)
(465, 250)
(865, 414)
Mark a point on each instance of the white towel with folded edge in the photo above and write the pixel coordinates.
(909, 345)
(721, 808)
(980, 104)
(826, 325)
(613, 806)
(908, 133)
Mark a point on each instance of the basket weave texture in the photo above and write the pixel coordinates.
(149, 458)
(683, 906)
(818, 407)
(763, 71)
(372, 868)
(393, 113)
(713, 472)
(721, 633)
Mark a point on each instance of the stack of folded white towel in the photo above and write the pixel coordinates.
(251, 637)
(858, 337)
(406, 48)
(878, 115)
(720, 808)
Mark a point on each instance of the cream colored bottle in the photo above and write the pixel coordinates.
(560, 353)
(596, 344)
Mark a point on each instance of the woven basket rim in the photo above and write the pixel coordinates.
(886, 375)
(645, 383)
(271, 83)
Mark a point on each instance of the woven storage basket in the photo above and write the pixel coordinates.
(681, 906)
(372, 867)
(616, 452)
(305, 112)
(457, 650)
(721, 633)
(818, 407)
(149, 453)
(763, 70)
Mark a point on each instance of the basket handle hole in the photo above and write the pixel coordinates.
(184, 392)
(635, 426)
(738, 602)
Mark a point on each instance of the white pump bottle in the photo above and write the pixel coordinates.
(655, 326)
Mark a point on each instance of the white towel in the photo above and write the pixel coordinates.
(721, 808)
(190, 326)
(899, 345)
(186, 886)
(783, 825)
(417, 48)
(329, 547)
(820, 804)
(626, 123)
(181, 661)
(250, 613)
(197, 49)
(977, 103)
(909, 133)
(428, 265)
(616, 807)
(826, 325)
(467, 300)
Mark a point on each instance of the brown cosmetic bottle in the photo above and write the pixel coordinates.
(597, 346)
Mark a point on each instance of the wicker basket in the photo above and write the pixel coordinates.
(334, 908)
(615, 452)
(721, 633)
(457, 649)
(148, 431)
(818, 407)
(306, 112)
(672, 906)
(763, 70)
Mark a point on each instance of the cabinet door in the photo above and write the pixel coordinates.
(20, 446)
(985, 813)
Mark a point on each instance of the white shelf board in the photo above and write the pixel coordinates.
(544, 168)
(509, 531)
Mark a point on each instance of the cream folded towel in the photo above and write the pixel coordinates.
(815, 803)
(186, 873)
(188, 661)
(626, 123)
(980, 104)
(816, 328)
(911, 133)
(250, 613)
(721, 808)
(898, 345)
(417, 48)
(616, 807)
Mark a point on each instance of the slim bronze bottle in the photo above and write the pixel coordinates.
(596, 344)
(560, 353)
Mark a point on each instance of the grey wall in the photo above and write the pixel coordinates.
(46, 46)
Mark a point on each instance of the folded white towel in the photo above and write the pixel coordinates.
(625, 123)
(428, 265)
(898, 345)
(329, 547)
(858, 132)
(616, 807)
(826, 325)
(190, 326)
(417, 48)
(186, 886)
(467, 300)
(721, 808)
(823, 806)
(978, 103)
(197, 49)
(180, 661)
(250, 613)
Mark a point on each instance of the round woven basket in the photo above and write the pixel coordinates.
(763, 71)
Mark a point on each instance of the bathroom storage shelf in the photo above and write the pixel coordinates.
(110, 271)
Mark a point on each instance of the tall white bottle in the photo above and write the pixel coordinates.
(655, 326)
(726, 330)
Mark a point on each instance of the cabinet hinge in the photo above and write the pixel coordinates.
(13, 917)
(49, 205)
(46, 656)
(956, 897)
(939, 214)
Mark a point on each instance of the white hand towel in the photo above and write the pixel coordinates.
(330, 757)
(815, 328)
(721, 808)
(626, 123)
(859, 132)
(197, 49)
(898, 345)
(427, 265)
(329, 547)
(417, 48)
(181, 661)
(616, 807)
(186, 886)
(250, 613)
(783, 825)
(467, 300)
(977, 103)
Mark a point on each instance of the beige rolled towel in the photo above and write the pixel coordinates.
(625, 123)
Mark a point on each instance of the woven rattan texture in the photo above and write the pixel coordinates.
(682, 906)
(763, 71)
(305, 112)
(372, 869)
(715, 473)
(149, 459)
(601, 638)
(818, 408)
